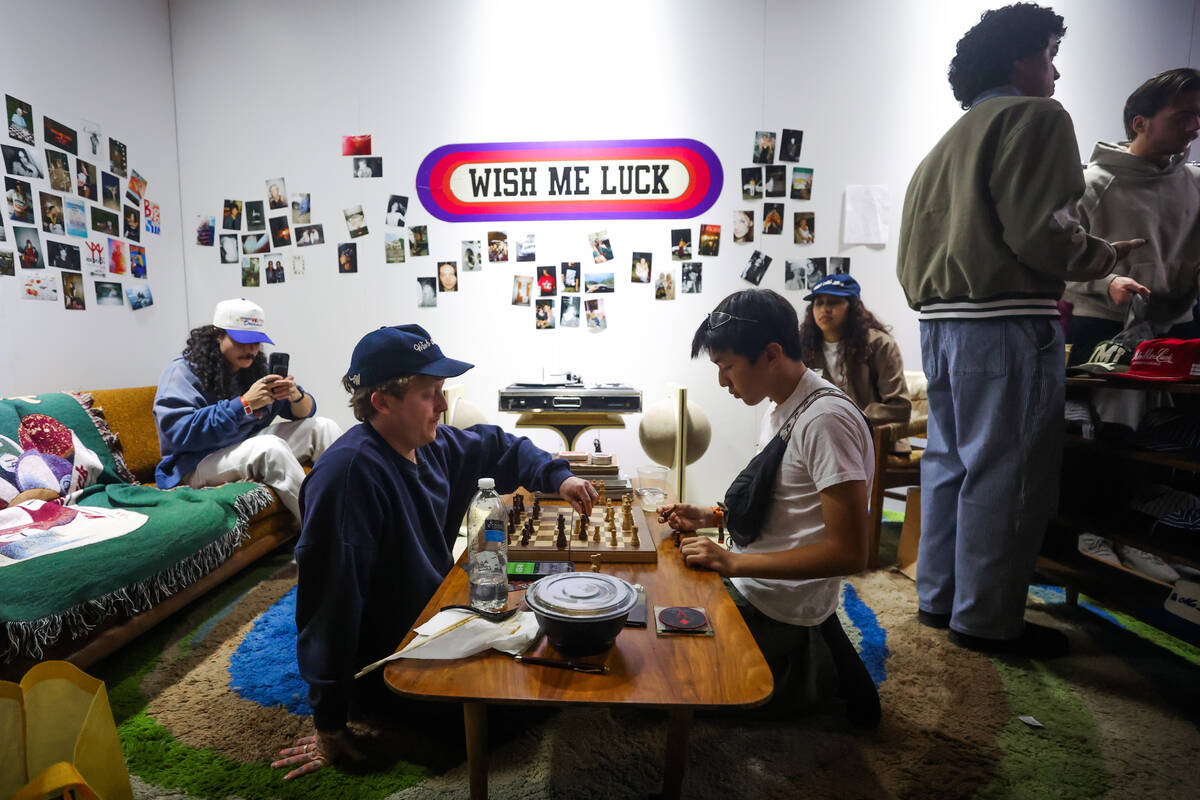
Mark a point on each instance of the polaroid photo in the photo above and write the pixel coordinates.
(526, 248)
(105, 222)
(91, 136)
(639, 271)
(691, 273)
(393, 248)
(776, 181)
(710, 240)
(139, 297)
(368, 167)
(397, 207)
(772, 218)
(273, 267)
(601, 247)
(108, 293)
(681, 244)
(137, 261)
(94, 258)
(281, 232)
(297, 266)
(7, 263)
(426, 292)
(85, 180)
(73, 292)
(41, 287)
(571, 276)
(28, 243)
(814, 272)
(543, 314)
(301, 208)
(802, 183)
(153, 217)
(60, 136)
(231, 217)
(569, 312)
(308, 235)
(63, 256)
(764, 147)
(52, 214)
(756, 267)
(599, 283)
(256, 216)
(20, 200)
(133, 224)
(136, 188)
(347, 257)
(20, 119)
(472, 256)
(522, 289)
(118, 157)
(497, 246)
(805, 227)
(789, 145)
(22, 163)
(118, 263)
(276, 193)
(58, 167)
(839, 265)
(793, 275)
(205, 230)
(255, 243)
(752, 183)
(3, 235)
(664, 285)
(743, 226)
(447, 276)
(418, 240)
(358, 145)
(594, 312)
(356, 221)
(229, 248)
(251, 272)
(110, 191)
(547, 281)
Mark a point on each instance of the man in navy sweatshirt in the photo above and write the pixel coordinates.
(381, 511)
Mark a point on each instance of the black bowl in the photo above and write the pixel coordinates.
(580, 637)
(581, 613)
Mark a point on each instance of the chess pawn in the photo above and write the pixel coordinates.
(596, 534)
(633, 537)
(612, 538)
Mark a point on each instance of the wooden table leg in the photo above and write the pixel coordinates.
(475, 719)
(679, 724)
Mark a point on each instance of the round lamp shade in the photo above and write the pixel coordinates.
(657, 432)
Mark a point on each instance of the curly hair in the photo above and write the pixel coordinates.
(984, 57)
(859, 322)
(203, 355)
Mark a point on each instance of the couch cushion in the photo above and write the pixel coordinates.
(130, 415)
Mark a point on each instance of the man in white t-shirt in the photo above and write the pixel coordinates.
(787, 580)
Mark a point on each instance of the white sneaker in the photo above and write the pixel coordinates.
(1099, 548)
(1147, 564)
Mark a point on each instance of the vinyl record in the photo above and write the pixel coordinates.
(682, 618)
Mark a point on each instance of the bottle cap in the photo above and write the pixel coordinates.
(487, 483)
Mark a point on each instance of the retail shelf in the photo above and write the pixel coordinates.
(1131, 528)
(1186, 460)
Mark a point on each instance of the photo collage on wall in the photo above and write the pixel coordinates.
(65, 215)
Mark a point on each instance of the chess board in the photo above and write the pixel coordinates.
(541, 546)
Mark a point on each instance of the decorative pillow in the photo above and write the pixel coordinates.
(114, 444)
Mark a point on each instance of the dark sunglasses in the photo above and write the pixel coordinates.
(718, 318)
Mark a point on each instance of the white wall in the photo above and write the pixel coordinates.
(268, 89)
(110, 63)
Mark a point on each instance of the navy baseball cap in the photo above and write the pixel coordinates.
(399, 350)
(837, 284)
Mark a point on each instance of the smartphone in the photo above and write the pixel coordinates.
(637, 616)
(277, 364)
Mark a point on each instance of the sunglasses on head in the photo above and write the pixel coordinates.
(718, 318)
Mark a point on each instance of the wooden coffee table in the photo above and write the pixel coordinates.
(678, 673)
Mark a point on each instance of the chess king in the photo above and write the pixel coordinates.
(380, 515)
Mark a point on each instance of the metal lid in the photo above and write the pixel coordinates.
(581, 595)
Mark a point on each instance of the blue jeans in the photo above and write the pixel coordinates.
(989, 474)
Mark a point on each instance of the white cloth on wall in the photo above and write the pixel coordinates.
(866, 213)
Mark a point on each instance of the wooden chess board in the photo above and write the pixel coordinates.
(541, 546)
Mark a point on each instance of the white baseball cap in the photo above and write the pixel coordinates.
(242, 320)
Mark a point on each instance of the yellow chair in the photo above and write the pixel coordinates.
(895, 471)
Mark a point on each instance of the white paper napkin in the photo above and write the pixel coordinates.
(457, 633)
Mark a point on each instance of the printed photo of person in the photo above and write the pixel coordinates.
(526, 249)
(743, 226)
(133, 224)
(110, 191)
(205, 230)
(85, 180)
(681, 244)
(522, 290)
(137, 261)
(105, 222)
(347, 257)
(569, 312)
(256, 216)
(805, 227)
(764, 147)
(20, 200)
(356, 221)
(571, 275)
(710, 240)
(789, 148)
(7, 263)
(601, 247)
(447, 275)
(276, 193)
(251, 274)
(814, 272)
(20, 119)
(543, 314)
(254, 243)
(58, 166)
(397, 207)
(301, 209)
(117, 157)
(52, 214)
(393, 248)
(368, 167)
(21, 162)
(63, 256)
(547, 281)
(690, 277)
(594, 312)
(73, 292)
(793, 275)
(281, 232)
(497, 246)
(274, 268)
(640, 272)
(772, 218)
(664, 286)
(117, 263)
(752, 181)
(92, 135)
(756, 267)
(426, 292)
(839, 265)
(229, 248)
(108, 293)
(801, 183)
(472, 256)
(776, 181)
(418, 240)
(308, 235)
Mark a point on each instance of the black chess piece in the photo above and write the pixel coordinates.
(596, 444)
(561, 540)
(562, 523)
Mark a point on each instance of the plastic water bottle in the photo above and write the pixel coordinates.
(487, 548)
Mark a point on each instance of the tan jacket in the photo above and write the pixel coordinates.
(876, 384)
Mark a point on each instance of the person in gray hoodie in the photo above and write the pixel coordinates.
(1144, 188)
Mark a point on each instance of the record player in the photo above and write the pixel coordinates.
(570, 395)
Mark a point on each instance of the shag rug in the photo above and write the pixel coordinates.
(205, 702)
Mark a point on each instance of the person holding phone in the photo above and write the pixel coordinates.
(217, 409)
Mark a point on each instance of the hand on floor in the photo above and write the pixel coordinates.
(313, 752)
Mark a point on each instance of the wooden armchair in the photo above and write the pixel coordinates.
(894, 471)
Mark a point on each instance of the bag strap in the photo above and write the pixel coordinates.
(785, 430)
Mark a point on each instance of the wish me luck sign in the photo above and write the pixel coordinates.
(617, 179)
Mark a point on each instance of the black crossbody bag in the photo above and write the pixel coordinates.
(749, 496)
